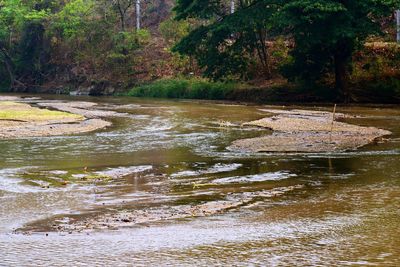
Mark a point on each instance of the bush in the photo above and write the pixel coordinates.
(4, 88)
(4, 83)
(380, 89)
(173, 30)
(184, 88)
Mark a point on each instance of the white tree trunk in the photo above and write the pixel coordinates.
(233, 6)
(138, 15)
(398, 25)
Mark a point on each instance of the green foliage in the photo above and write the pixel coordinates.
(14, 14)
(173, 30)
(202, 9)
(20, 34)
(376, 59)
(377, 89)
(127, 42)
(385, 87)
(86, 30)
(72, 20)
(184, 88)
(310, 41)
(4, 83)
(80, 35)
(227, 43)
(326, 33)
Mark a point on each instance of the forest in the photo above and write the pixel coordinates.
(286, 50)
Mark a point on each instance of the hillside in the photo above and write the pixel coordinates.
(86, 50)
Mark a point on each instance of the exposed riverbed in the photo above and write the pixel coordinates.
(160, 187)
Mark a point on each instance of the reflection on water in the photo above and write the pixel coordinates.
(170, 158)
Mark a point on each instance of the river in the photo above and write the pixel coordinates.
(319, 209)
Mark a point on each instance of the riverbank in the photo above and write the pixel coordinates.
(385, 91)
(19, 118)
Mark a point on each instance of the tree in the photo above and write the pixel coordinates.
(122, 6)
(96, 39)
(398, 25)
(227, 42)
(138, 15)
(327, 33)
(173, 30)
(15, 18)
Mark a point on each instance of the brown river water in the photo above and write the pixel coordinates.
(328, 209)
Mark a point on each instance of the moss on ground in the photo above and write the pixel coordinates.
(22, 112)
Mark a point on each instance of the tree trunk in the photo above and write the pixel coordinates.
(398, 25)
(9, 65)
(14, 83)
(342, 77)
(121, 16)
(138, 15)
(262, 51)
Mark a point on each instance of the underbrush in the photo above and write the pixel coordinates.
(4, 82)
(383, 89)
(185, 89)
(379, 90)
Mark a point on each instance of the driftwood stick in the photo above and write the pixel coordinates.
(333, 121)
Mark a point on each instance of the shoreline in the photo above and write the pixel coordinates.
(87, 98)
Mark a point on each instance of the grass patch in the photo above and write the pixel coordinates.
(205, 89)
(185, 89)
(23, 112)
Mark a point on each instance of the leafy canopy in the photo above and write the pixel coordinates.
(14, 14)
(225, 44)
(326, 33)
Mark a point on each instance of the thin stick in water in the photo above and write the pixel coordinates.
(333, 121)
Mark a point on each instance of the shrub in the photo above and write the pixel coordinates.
(184, 88)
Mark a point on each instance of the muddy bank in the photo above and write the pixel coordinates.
(308, 131)
(20, 119)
